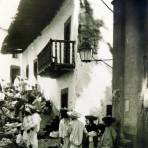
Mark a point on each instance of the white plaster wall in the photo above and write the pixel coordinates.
(55, 30)
(6, 61)
(79, 81)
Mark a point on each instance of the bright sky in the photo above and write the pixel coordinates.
(7, 12)
(8, 9)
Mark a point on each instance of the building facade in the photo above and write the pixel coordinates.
(130, 70)
(50, 57)
(10, 67)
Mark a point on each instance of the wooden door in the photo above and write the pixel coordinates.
(14, 71)
(64, 98)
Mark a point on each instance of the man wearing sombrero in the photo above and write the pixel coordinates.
(31, 126)
(63, 127)
(109, 136)
(92, 130)
(76, 130)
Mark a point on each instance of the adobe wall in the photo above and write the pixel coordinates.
(128, 76)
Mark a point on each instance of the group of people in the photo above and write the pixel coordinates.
(36, 119)
(27, 133)
(74, 134)
(23, 108)
(30, 105)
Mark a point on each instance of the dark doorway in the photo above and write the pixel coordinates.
(14, 71)
(67, 33)
(35, 68)
(27, 71)
(64, 98)
(109, 110)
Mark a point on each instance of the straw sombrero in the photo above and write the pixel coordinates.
(108, 119)
(91, 117)
(64, 109)
(73, 114)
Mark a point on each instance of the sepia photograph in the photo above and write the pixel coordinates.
(73, 73)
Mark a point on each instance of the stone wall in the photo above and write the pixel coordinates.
(128, 76)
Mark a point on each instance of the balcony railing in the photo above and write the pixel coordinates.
(57, 55)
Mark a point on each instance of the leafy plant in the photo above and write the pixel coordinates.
(89, 28)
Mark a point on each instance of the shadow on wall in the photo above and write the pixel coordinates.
(88, 28)
(97, 94)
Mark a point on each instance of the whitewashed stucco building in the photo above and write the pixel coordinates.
(52, 36)
(10, 67)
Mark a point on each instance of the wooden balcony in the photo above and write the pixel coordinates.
(56, 58)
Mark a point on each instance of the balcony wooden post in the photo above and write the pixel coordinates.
(60, 53)
(56, 52)
(51, 61)
(73, 53)
(51, 50)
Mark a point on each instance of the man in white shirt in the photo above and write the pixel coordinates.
(63, 128)
(76, 130)
(16, 83)
(31, 125)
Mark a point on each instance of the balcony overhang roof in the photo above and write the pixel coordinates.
(32, 17)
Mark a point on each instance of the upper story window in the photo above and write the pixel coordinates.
(67, 33)
(35, 68)
(15, 56)
(67, 29)
(64, 98)
(14, 72)
(27, 71)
